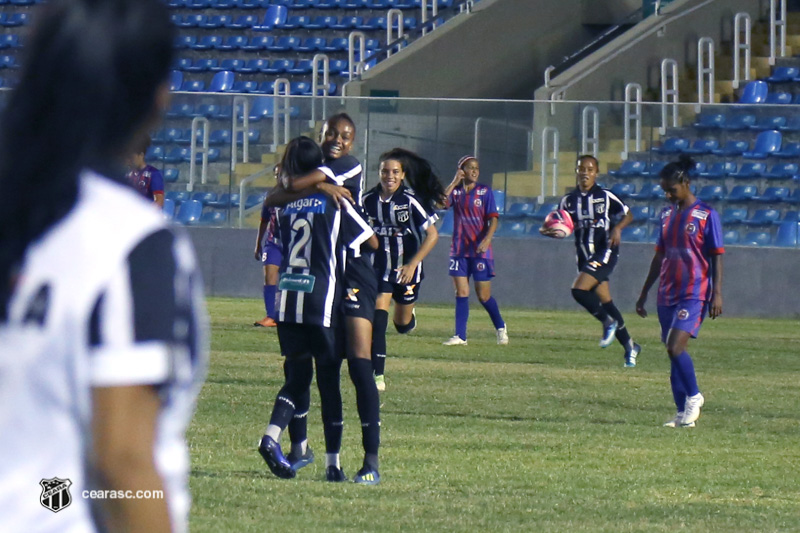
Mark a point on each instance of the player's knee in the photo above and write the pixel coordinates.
(407, 327)
(674, 350)
(579, 295)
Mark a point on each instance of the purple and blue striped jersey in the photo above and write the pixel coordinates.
(471, 213)
(688, 239)
(148, 181)
(272, 233)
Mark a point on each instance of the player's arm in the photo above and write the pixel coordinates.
(457, 180)
(652, 276)
(615, 236)
(157, 186)
(123, 435)
(487, 240)
(407, 270)
(716, 297)
(262, 229)
(280, 196)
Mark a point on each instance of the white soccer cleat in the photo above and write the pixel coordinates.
(674, 422)
(502, 336)
(691, 411)
(455, 340)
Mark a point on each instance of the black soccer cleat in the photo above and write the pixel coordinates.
(299, 461)
(272, 454)
(334, 474)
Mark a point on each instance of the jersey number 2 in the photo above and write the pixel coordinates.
(301, 234)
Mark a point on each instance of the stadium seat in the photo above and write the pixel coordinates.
(650, 191)
(15, 19)
(183, 63)
(176, 155)
(794, 196)
(769, 123)
(712, 193)
(641, 213)
(209, 111)
(739, 122)
(320, 22)
(773, 195)
(446, 227)
(193, 86)
(337, 44)
(232, 43)
(542, 211)
(372, 24)
(284, 43)
(731, 236)
(325, 4)
(253, 136)
(175, 80)
(672, 145)
(253, 66)
(300, 4)
(719, 170)
(781, 98)
(180, 110)
(203, 65)
(212, 218)
(749, 171)
(767, 143)
(171, 175)
(192, 20)
(8, 61)
(225, 201)
(310, 44)
(732, 148)
(301, 68)
(733, 215)
(511, 229)
(214, 22)
(245, 86)
(757, 238)
(634, 234)
(222, 81)
(294, 22)
(783, 75)
(184, 41)
(154, 153)
(346, 23)
(353, 4)
(219, 137)
(788, 150)
(629, 168)
(232, 64)
(500, 200)
(742, 193)
(699, 167)
(654, 168)
(243, 22)
(786, 234)
(623, 190)
(198, 4)
(782, 171)
(189, 213)
(260, 108)
(168, 208)
(249, 4)
(10, 40)
(755, 92)
(337, 66)
(178, 196)
(521, 209)
(702, 146)
(709, 121)
(792, 124)
(253, 200)
(763, 217)
(207, 42)
(204, 197)
(278, 66)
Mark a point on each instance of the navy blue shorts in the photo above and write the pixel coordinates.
(304, 340)
(271, 254)
(481, 269)
(402, 294)
(599, 266)
(686, 316)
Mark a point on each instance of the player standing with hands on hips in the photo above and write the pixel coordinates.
(688, 260)
(474, 223)
(598, 216)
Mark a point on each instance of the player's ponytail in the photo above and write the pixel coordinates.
(86, 91)
(678, 171)
(420, 177)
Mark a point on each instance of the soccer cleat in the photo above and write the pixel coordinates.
(691, 411)
(608, 334)
(455, 340)
(502, 335)
(413, 319)
(272, 454)
(299, 462)
(265, 322)
(380, 383)
(334, 474)
(367, 476)
(630, 356)
(676, 422)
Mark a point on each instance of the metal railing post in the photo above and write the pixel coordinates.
(590, 114)
(669, 93)
(394, 20)
(705, 52)
(236, 128)
(356, 68)
(777, 19)
(741, 25)
(550, 133)
(197, 123)
(317, 87)
(281, 110)
(633, 99)
(547, 72)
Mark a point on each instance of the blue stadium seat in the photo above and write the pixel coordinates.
(629, 168)
(697, 169)
(249, 4)
(300, 88)
(300, 4)
(232, 43)
(243, 22)
(253, 200)
(189, 213)
(171, 175)
(310, 44)
(787, 234)
(719, 170)
(245, 86)
(253, 136)
(222, 81)
(204, 197)
(183, 63)
(672, 145)
(10, 40)
(378, 4)
(773, 195)
(180, 110)
(278, 66)
(731, 236)
(542, 211)
(15, 19)
(176, 155)
(782, 171)
(261, 107)
(253, 66)
(258, 43)
(650, 191)
(755, 92)
(207, 42)
(184, 41)
(446, 227)
(641, 213)
(623, 190)
(336, 44)
(320, 22)
(192, 20)
(300, 68)
(168, 208)
(750, 171)
(232, 64)
(175, 80)
(193, 86)
(208, 110)
(353, 4)
(337, 66)
(782, 98)
(788, 150)
(757, 238)
(634, 234)
(521, 209)
(8, 61)
(783, 75)
(214, 22)
(743, 193)
(702, 146)
(769, 123)
(500, 200)
(654, 168)
(198, 4)
(212, 218)
(712, 193)
(763, 217)
(203, 65)
(177, 196)
(219, 137)
(794, 196)
(511, 229)
(792, 124)
(224, 201)
(732, 148)
(767, 142)
(738, 122)
(284, 43)
(709, 121)
(733, 215)
(154, 153)
(176, 135)
(326, 4)
(372, 24)
(347, 23)
(293, 22)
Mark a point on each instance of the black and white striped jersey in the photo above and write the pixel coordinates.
(313, 232)
(345, 172)
(401, 224)
(109, 297)
(594, 214)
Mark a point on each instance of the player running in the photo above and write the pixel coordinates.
(599, 217)
(403, 218)
(688, 260)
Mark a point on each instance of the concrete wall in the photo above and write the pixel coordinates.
(535, 273)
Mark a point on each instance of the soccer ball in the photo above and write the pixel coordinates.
(561, 222)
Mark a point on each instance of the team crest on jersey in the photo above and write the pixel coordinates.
(683, 314)
(478, 202)
(402, 215)
(691, 228)
(600, 209)
(55, 494)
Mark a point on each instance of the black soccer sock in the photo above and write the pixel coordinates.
(623, 336)
(407, 327)
(591, 302)
(379, 323)
(298, 425)
(368, 403)
(298, 374)
(328, 376)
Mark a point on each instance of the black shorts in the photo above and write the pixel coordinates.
(303, 340)
(402, 294)
(360, 302)
(599, 266)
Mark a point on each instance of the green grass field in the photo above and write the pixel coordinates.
(549, 433)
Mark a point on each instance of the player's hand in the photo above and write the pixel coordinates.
(459, 177)
(483, 246)
(716, 306)
(615, 237)
(640, 310)
(335, 193)
(258, 254)
(405, 273)
(548, 232)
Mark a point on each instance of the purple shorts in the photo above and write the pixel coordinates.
(479, 268)
(686, 316)
(271, 254)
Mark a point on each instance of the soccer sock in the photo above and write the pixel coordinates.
(332, 459)
(298, 425)
(678, 392)
(685, 367)
(406, 328)
(298, 374)
(623, 336)
(462, 315)
(328, 377)
(282, 413)
(269, 300)
(591, 302)
(494, 312)
(379, 323)
(367, 402)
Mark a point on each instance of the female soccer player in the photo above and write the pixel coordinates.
(598, 216)
(268, 251)
(474, 223)
(688, 259)
(102, 326)
(403, 219)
